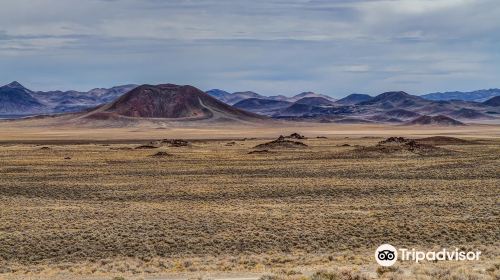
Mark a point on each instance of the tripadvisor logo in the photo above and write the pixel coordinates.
(387, 255)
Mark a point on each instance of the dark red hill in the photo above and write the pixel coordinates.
(169, 101)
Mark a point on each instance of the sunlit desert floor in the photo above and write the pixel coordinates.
(23, 131)
(78, 204)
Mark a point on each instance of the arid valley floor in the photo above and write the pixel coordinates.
(100, 205)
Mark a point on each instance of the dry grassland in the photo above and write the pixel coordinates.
(100, 211)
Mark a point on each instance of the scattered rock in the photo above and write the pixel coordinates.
(67, 158)
(444, 140)
(162, 154)
(396, 140)
(424, 149)
(345, 145)
(394, 146)
(295, 135)
(122, 148)
(45, 148)
(434, 140)
(176, 142)
(281, 142)
(230, 143)
(145, 147)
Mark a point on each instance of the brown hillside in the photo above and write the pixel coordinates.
(435, 120)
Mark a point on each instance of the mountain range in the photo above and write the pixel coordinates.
(75, 101)
(477, 95)
(168, 101)
(15, 99)
(388, 107)
(495, 101)
(235, 97)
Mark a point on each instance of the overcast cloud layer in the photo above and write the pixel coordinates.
(334, 47)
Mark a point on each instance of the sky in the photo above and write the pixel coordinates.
(333, 47)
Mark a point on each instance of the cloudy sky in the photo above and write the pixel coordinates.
(334, 47)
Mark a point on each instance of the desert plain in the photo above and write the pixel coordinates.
(129, 203)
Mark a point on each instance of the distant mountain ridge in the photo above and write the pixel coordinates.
(391, 107)
(262, 106)
(387, 107)
(315, 101)
(75, 101)
(477, 95)
(235, 97)
(308, 94)
(494, 101)
(353, 98)
(232, 98)
(16, 99)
